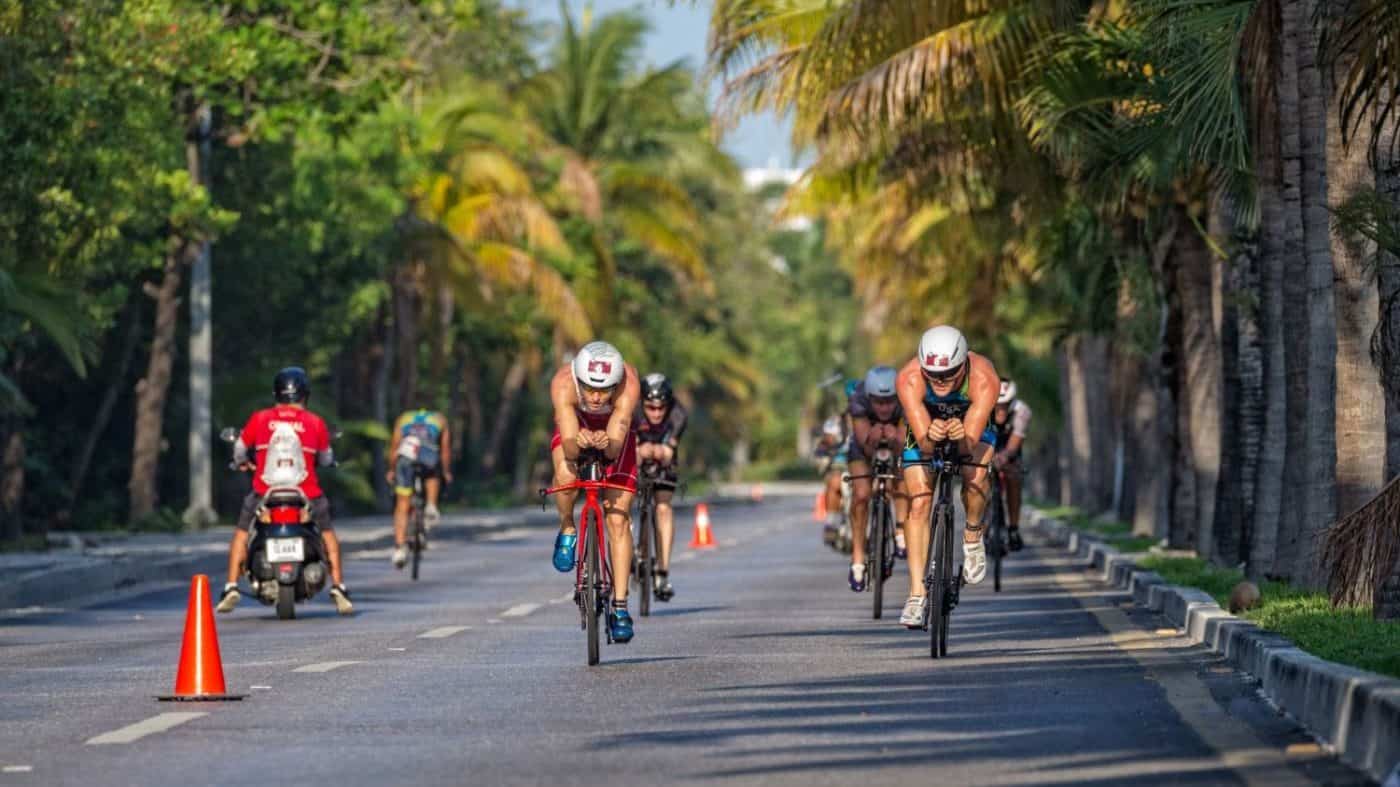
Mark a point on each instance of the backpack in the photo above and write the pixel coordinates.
(285, 463)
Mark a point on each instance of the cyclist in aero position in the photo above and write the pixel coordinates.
(659, 429)
(292, 390)
(876, 417)
(419, 437)
(594, 399)
(830, 451)
(947, 394)
(1011, 418)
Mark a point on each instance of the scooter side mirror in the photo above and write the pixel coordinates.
(228, 435)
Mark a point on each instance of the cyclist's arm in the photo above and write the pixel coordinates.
(982, 390)
(860, 425)
(678, 420)
(395, 434)
(911, 398)
(445, 450)
(562, 395)
(1020, 424)
(624, 409)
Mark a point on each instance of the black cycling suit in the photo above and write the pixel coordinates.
(668, 432)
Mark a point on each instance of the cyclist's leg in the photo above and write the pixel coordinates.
(617, 507)
(403, 491)
(432, 487)
(565, 472)
(901, 511)
(920, 491)
(860, 506)
(321, 515)
(1013, 493)
(665, 528)
(976, 486)
(833, 493)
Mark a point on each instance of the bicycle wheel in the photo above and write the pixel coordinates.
(592, 588)
(875, 554)
(950, 580)
(644, 559)
(936, 579)
(417, 541)
(996, 538)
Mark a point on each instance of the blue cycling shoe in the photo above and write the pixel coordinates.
(564, 552)
(620, 626)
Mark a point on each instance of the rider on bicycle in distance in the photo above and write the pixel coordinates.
(291, 389)
(659, 428)
(594, 400)
(948, 394)
(830, 452)
(876, 418)
(419, 437)
(1011, 419)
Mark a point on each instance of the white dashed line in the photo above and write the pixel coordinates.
(261, 688)
(325, 666)
(17, 769)
(684, 556)
(520, 610)
(494, 621)
(566, 597)
(441, 633)
(134, 732)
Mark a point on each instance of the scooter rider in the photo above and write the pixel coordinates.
(292, 389)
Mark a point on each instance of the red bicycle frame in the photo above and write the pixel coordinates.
(592, 506)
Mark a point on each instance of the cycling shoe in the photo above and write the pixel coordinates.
(564, 546)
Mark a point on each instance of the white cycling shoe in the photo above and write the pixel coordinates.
(431, 515)
(974, 562)
(913, 616)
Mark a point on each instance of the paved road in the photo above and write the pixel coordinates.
(764, 670)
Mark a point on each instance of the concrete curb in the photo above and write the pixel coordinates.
(1356, 712)
(99, 575)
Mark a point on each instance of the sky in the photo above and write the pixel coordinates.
(678, 32)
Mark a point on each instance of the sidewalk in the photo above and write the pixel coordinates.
(99, 563)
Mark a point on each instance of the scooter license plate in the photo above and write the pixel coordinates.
(286, 550)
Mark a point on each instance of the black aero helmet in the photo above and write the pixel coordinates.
(291, 385)
(656, 388)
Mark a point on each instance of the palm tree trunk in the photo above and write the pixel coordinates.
(511, 394)
(110, 395)
(1198, 394)
(406, 313)
(12, 482)
(1320, 419)
(383, 348)
(152, 389)
(1242, 386)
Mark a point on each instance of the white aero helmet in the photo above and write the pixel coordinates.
(942, 351)
(879, 382)
(1008, 392)
(598, 365)
(831, 427)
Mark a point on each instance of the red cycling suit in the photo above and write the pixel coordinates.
(623, 470)
(315, 437)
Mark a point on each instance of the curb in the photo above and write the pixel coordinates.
(110, 574)
(1356, 712)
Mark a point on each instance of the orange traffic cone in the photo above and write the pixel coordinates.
(703, 538)
(819, 512)
(201, 672)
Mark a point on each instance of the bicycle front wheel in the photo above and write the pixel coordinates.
(592, 591)
(644, 559)
(939, 569)
(876, 536)
(417, 540)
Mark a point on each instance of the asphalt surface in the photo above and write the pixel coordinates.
(765, 669)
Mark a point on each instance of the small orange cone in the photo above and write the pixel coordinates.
(703, 538)
(819, 512)
(201, 672)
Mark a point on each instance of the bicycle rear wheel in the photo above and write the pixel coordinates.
(592, 588)
(875, 554)
(644, 559)
(996, 538)
(936, 579)
(417, 542)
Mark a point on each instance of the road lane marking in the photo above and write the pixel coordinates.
(134, 732)
(1236, 746)
(520, 610)
(325, 666)
(566, 597)
(17, 769)
(684, 556)
(494, 621)
(441, 633)
(260, 688)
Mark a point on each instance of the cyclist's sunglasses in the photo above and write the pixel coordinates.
(945, 375)
(884, 399)
(653, 404)
(592, 390)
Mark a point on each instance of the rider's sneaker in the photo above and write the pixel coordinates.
(913, 616)
(663, 589)
(831, 529)
(620, 626)
(400, 556)
(974, 562)
(229, 599)
(900, 550)
(431, 515)
(1013, 539)
(857, 577)
(564, 546)
(341, 597)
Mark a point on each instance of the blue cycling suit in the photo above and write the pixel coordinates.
(954, 405)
